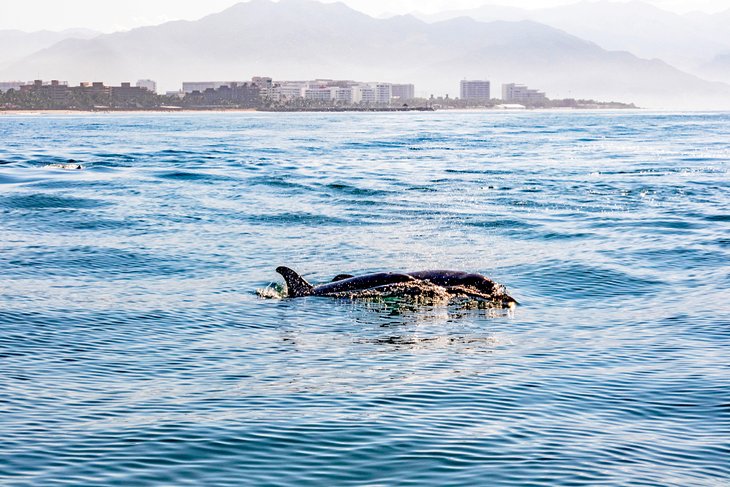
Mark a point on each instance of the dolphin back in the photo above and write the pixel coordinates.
(296, 286)
(361, 283)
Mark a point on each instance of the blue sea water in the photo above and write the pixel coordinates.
(135, 351)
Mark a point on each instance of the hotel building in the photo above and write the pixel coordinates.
(403, 91)
(515, 93)
(476, 90)
(201, 86)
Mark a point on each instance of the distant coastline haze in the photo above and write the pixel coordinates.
(114, 16)
(644, 52)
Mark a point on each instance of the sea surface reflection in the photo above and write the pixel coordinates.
(135, 351)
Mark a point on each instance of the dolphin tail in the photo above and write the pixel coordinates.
(296, 286)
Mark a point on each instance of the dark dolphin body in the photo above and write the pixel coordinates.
(455, 282)
(449, 279)
(298, 287)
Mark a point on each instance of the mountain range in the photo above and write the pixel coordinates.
(16, 44)
(691, 42)
(305, 39)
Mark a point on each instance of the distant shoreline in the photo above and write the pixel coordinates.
(349, 109)
(124, 111)
(216, 110)
(5, 112)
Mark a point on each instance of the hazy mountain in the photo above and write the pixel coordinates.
(16, 44)
(719, 68)
(687, 42)
(714, 25)
(302, 39)
(568, 67)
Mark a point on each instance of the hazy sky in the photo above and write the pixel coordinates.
(125, 14)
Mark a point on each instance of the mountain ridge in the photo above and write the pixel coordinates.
(16, 44)
(305, 39)
(686, 41)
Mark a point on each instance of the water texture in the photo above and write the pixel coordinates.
(135, 352)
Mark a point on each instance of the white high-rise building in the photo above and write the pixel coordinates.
(515, 93)
(476, 90)
(339, 91)
(344, 95)
(364, 94)
(290, 90)
(383, 93)
(403, 91)
(323, 93)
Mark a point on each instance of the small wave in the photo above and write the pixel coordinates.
(15, 179)
(307, 219)
(193, 176)
(562, 281)
(48, 201)
(506, 223)
(377, 144)
(718, 218)
(681, 258)
(276, 182)
(89, 261)
(348, 189)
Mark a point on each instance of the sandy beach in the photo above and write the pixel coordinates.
(124, 112)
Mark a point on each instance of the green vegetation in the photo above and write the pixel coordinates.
(456, 103)
(48, 97)
(78, 99)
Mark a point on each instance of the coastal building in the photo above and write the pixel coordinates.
(147, 84)
(344, 95)
(475, 90)
(10, 85)
(239, 94)
(320, 93)
(347, 92)
(263, 82)
(383, 93)
(290, 90)
(514, 93)
(364, 94)
(342, 83)
(265, 86)
(58, 94)
(403, 91)
(336, 91)
(56, 91)
(201, 86)
(95, 88)
(127, 93)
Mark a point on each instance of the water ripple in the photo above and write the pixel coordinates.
(136, 353)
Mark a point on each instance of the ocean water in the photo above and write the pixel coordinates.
(135, 350)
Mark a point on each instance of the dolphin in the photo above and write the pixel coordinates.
(68, 167)
(449, 279)
(297, 287)
(454, 283)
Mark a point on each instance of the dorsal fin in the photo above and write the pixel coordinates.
(342, 277)
(296, 286)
